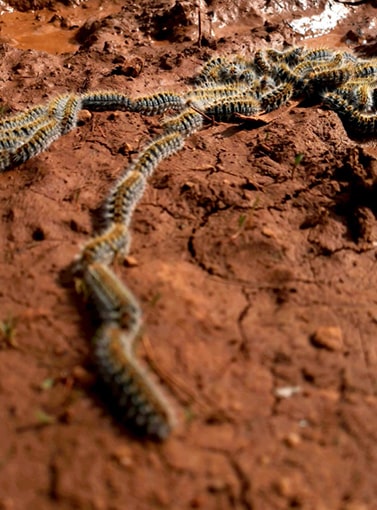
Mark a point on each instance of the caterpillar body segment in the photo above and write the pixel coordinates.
(157, 103)
(349, 58)
(57, 106)
(18, 135)
(291, 56)
(239, 71)
(359, 122)
(22, 119)
(336, 102)
(38, 142)
(329, 79)
(5, 160)
(70, 114)
(355, 120)
(137, 399)
(366, 69)
(318, 55)
(222, 70)
(216, 93)
(307, 69)
(105, 100)
(123, 198)
(283, 74)
(113, 301)
(262, 62)
(114, 241)
(159, 149)
(278, 97)
(358, 95)
(11, 142)
(211, 70)
(362, 98)
(227, 111)
(186, 123)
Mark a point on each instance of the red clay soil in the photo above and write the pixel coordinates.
(254, 259)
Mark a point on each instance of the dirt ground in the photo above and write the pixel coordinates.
(253, 256)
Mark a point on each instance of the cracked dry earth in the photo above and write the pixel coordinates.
(253, 256)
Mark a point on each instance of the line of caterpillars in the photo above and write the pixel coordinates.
(226, 90)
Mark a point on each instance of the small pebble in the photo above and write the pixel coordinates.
(284, 487)
(268, 232)
(84, 116)
(292, 440)
(130, 261)
(123, 456)
(328, 337)
(82, 376)
(287, 391)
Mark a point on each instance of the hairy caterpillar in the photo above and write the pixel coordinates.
(122, 199)
(106, 246)
(157, 103)
(226, 111)
(277, 97)
(186, 122)
(137, 399)
(106, 100)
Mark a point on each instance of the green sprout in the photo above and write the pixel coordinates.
(44, 418)
(155, 298)
(47, 384)
(7, 331)
(241, 220)
(299, 157)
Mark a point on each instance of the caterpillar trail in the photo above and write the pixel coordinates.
(226, 90)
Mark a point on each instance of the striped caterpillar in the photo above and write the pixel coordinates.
(354, 119)
(139, 401)
(187, 122)
(227, 111)
(36, 143)
(22, 119)
(277, 97)
(115, 240)
(134, 391)
(157, 103)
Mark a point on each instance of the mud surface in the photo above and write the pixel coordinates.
(254, 258)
